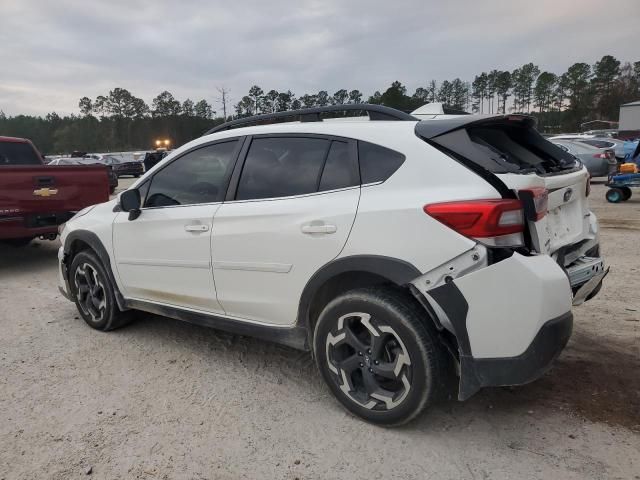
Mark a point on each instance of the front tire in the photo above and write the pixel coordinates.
(379, 354)
(94, 295)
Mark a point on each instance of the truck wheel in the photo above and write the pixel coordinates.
(379, 354)
(18, 242)
(626, 193)
(112, 190)
(614, 195)
(94, 295)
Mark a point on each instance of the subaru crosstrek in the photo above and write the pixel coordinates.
(401, 253)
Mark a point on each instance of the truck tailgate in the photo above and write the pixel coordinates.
(32, 189)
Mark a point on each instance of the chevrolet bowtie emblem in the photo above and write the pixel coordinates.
(45, 192)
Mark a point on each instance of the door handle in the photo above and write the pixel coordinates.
(319, 229)
(196, 228)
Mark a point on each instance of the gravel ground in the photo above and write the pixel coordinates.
(164, 399)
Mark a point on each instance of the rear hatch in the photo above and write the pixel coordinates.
(510, 154)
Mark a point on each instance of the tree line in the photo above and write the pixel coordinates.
(121, 121)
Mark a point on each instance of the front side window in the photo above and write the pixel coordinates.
(282, 167)
(199, 176)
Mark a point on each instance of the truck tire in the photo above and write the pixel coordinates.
(17, 242)
(93, 293)
(380, 355)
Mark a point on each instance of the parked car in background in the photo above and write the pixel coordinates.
(123, 167)
(113, 177)
(35, 198)
(599, 162)
(120, 165)
(607, 143)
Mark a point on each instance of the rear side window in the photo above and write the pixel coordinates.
(282, 167)
(377, 163)
(339, 171)
(18, 153)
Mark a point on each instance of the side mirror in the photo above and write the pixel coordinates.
(130, 202)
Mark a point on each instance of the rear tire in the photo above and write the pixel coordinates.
(94, 294)
(614, 195)
(380, 355)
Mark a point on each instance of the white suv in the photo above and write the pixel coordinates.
(401, 253)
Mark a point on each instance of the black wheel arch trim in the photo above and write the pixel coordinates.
(96, 245)
(396, 271)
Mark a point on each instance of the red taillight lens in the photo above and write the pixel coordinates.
(536, 202)
(480, 218)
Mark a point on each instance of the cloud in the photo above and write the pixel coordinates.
(53, 53)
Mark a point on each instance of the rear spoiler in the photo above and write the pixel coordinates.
(428, 129)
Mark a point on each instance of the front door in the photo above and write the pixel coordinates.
(164, 255)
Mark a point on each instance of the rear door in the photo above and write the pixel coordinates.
(291, 213)
(164, 255)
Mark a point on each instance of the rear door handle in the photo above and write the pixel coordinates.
(196, 228)
(319, 229)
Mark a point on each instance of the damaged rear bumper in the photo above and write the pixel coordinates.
(511, 319)
(524, 368)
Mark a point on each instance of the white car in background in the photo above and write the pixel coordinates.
(400, 252)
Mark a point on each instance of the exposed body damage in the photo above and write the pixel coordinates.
(494, 347)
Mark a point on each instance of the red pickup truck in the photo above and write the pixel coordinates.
(35, 198)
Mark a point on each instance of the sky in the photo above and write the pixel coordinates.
(53, 52)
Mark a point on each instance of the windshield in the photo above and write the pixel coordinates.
(18, 153)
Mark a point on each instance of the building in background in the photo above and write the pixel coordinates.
(630, 116)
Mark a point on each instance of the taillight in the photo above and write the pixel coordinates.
(493, 222)
(535, 201)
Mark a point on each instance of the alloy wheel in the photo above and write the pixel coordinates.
(369, 361)
(90, 292)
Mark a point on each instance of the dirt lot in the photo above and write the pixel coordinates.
(162, 399)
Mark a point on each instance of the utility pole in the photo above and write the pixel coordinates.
(223, 99)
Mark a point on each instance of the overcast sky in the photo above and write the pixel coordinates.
(52, 52)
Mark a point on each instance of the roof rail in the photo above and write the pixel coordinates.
(375, 112)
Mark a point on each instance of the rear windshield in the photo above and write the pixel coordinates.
(15, 153)
(506, 147)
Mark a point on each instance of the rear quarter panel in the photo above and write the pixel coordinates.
(391, 221)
